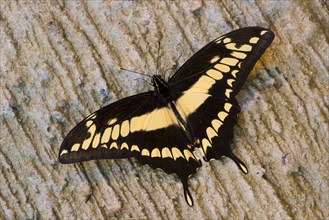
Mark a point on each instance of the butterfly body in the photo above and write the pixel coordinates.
(195, 109)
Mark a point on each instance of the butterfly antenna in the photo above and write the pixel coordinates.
(145, 81)
(157, 64)
(132, 71)
(176, 64)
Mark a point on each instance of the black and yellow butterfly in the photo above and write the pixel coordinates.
(196, 108)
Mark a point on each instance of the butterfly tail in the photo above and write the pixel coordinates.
(187, 194)
(239, 163)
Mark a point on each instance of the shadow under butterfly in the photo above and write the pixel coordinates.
(196, 108)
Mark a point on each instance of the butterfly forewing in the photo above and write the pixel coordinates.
(97, 136)
(227, 59)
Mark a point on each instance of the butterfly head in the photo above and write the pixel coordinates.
(161, 86)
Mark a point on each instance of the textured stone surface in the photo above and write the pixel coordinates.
(60, 61)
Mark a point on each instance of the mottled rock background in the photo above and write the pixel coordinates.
(60, 61)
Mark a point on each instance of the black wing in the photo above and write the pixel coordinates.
(206, 86)
(142, 126)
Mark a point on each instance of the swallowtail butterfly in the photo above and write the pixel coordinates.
(195, 109)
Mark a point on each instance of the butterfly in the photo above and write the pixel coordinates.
(195, 109)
